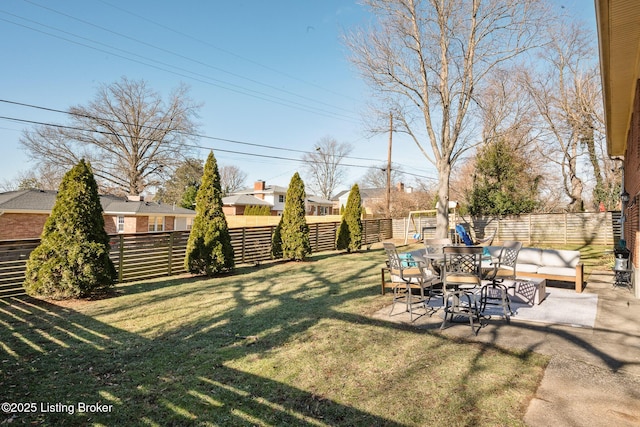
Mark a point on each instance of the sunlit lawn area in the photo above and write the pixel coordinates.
(277, 344)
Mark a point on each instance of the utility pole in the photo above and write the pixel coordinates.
(388, 212)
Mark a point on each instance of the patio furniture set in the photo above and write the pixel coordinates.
(472, 282)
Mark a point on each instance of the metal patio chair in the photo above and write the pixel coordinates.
(407, 275)
(461, 281)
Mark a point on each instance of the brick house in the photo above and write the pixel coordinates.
(273, 195)
(373, 199)
(236, 204)
(23, 214)
(618, 24)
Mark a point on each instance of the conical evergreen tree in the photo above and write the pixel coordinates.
(294, 230)
(350, 231)
(343, 238)
(276, 241)
(72, 259)
(209, 249)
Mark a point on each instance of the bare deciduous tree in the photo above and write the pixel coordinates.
(42, 178)
(231, 179)
(323, 166)
(568, 100)
(376, 177)
(132, 138)
(427, 60)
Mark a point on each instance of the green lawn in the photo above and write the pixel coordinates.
(277, 344)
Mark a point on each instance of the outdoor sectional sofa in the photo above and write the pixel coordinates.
(550, 264)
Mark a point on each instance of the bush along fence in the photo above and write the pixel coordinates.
(156, 254)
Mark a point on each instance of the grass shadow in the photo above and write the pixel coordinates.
(84, 361)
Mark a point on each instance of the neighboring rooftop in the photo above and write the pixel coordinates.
(244, 200)
(42, 201)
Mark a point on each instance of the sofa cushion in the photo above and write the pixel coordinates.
(526, 268)
(558, 271)
(407, 259)
(560, 258)
(529, 256)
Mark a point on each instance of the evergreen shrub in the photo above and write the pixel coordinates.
(295, 231)
(72, 259)
(209, 249)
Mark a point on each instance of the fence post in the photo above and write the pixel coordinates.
(317, 237)
(120, 256)
(365, 231)
(170, 254)
(244, 242)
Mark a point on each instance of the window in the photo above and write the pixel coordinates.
(156, 223)
(120, 225)
(189, 223)
(281, 198)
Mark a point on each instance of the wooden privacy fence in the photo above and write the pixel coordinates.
(147, 255)
(591, 228)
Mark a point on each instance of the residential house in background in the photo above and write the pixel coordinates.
(275, 196)
(23, 214)
(236, 204)
(373, 199)
(316, 205)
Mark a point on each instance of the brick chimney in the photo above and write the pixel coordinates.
(259, 186)
(400, 187)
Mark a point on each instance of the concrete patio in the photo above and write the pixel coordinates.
(593, 378)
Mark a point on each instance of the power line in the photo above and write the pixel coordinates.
(179, 55)
(195, 76)
(181, 72)
(54, 110)
(225, 51)
(199, 146)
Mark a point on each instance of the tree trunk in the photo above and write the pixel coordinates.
(442, 214)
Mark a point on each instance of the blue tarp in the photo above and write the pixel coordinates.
(464, 235)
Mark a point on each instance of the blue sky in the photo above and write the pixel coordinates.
(267, 72)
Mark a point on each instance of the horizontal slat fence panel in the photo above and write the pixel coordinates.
(156, 254)
(13, 260)
(323, 236)
(251, 244)
(591, 228)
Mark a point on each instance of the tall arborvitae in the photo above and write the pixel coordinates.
(350, 231)
(343, 238)
(276, 241)
(209, 249)
(294, 230)
(72, 259)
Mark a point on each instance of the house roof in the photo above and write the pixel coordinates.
(365, 193)
(269, 189)
(244, 200)
(41, 201)
(319, 200)
(619, 42)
